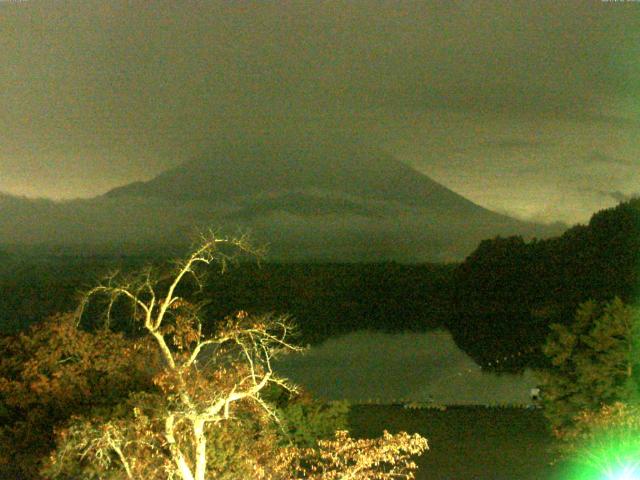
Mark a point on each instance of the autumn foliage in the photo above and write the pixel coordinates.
(385, 458)
(190, 398)
(55, 370)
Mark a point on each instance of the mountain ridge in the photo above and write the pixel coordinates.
(327, 199)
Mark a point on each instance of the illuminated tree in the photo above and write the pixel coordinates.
(594, 362)
(206, 384)
(384, 458)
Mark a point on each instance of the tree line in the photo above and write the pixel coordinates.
(499, 302)
(508, 292)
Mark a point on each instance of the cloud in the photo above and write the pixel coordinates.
(512, 143)
(101, 88)
(597, 157)
(618, 196)
(97, 94)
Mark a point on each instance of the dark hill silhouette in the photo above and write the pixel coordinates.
(508, 291)
(311, 200)
(234, 172)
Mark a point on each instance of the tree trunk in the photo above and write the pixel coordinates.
(201, 449)
(176, 453)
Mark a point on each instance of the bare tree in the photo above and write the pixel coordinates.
(203, 377)
(202, 383)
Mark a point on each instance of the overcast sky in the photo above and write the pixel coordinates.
(530, 108)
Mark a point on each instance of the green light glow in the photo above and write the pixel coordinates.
(616, 456)
(626, 473)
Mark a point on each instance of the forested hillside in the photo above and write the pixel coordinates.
(507, 292)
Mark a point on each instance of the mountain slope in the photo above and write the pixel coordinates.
(338, 169)
(319, 199)
(227, 174)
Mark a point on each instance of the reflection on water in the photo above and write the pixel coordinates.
(415, 367)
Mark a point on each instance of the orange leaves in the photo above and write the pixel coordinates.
(40, 385)
(385, 458)
(186, 333)
(166, 380)
(57, 362)
(183, 330)
(177, 303)
(54, 370)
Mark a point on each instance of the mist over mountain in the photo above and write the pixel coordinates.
(312, 200)
(275, 167)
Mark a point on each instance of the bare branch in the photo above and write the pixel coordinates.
(242, 347)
